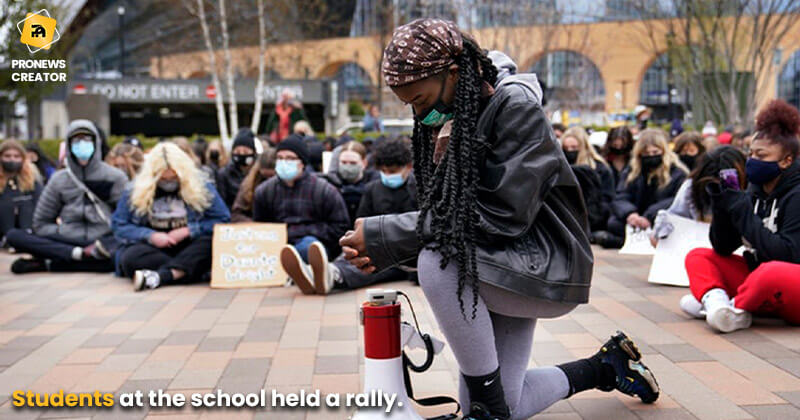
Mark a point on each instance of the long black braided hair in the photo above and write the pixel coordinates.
(447, 190)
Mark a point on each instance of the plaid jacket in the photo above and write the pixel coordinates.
(311, 207)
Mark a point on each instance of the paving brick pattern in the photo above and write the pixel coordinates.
(86, 332)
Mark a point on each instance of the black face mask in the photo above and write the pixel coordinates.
(214, 155)
(619, 152)
(689, 161)
(649, 163)
(243, 160)
(12, 166)
(572, 156)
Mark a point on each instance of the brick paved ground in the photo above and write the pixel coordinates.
(80, 332)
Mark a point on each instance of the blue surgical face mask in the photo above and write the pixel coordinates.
(393, 181)
(438, 114)
(287, 170)
(82, 150)
(759, 172)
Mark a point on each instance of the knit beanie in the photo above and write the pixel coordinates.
(244, 137)
(296, 144)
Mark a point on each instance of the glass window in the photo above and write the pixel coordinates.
(789, 80)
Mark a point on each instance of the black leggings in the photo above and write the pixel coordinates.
(192, 256)
(58, 249)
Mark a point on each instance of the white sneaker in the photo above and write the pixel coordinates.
(318, 260)
(692, 306)
(722, 315)
(297, 269)
(729, 318)
(145, 279)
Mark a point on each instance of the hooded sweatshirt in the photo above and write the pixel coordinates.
(63, 199)
(767, 224)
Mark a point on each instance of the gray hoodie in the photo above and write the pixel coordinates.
(63, 199)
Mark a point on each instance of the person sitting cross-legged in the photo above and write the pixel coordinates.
(312, 208)
(71, 221)
(166, 219)
(395, 192)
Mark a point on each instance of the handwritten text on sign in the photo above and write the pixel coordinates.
(247, 255)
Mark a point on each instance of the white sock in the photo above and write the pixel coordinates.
(77, 253)
(335, 273)
(715, 298)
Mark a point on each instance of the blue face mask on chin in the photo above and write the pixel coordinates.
(82, 150)
(287, 170)
(393, 181)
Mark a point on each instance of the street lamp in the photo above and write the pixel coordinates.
(121, 13)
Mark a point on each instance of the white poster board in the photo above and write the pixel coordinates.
(326, 161)
(668, 263)
(247, 255)
(637, 241)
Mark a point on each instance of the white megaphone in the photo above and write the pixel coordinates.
(384, 338)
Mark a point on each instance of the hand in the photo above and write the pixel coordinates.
(644, 223)
(161, 240)
(179, 234)
(632, 219)
(355, 248)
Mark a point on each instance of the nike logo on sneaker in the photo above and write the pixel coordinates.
(487, 383)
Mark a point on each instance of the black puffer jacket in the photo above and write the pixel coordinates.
(646, 199)
(531, 214)
(229, 179)
(379, 199)
(768, 224)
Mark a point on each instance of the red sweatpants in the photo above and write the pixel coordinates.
(772, 289)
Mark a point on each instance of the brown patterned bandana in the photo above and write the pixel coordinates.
(420, 49)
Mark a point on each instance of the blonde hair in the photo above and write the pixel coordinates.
(183, 144)
(133, 158)
(223, 155)
(302, 127)
(163, 156)
(587, 155)
(657, 138)
(26, 177)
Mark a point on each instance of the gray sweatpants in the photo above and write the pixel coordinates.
(500, 335)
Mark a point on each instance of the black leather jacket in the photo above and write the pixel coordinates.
(532, 216)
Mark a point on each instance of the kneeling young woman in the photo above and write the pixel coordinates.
(166, 219)
(501, 235)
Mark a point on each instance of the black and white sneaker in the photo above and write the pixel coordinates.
(28, 265)
(632, 376)
(145, 279)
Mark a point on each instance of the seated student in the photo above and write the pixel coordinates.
(126, 158)
(312, 208)
(649, 185)
(19, 188)
(165, 221)
(45, 166)
(692, 201)
(617, 151)
(74, 211)
(216, 158)
(690, 148)
(352, 177)
(396, 192)
(186, 147)
(243, 156)
(242, 210)
(766, 220)
(596, 179)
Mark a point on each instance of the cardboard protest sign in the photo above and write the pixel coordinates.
(637, 241)
(248, 255)
(668, 263)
